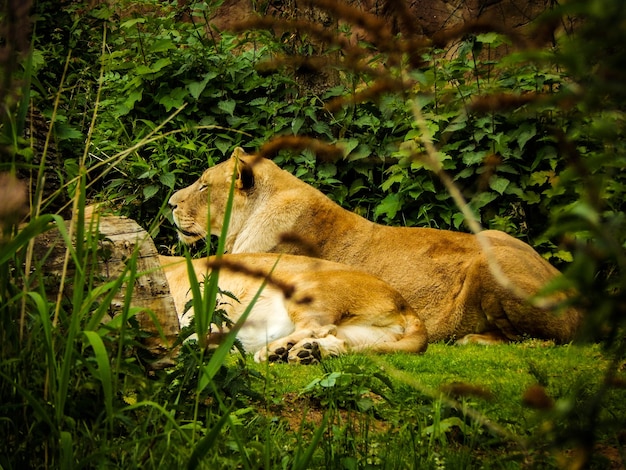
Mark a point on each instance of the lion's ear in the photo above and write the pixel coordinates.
(238, 153)
(245, 176)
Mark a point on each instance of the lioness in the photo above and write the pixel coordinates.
(332, 309)
(444, 275)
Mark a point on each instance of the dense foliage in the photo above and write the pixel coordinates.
(125, 101)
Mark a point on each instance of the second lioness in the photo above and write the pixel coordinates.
(309, 309)
(445, 276)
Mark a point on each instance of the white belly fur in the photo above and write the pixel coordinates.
(267, 321)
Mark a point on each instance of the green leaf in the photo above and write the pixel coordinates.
(527, 132)
(103, 13)
(443, 426)
(258, 101)
(296, 125)
(104, 369)
(162, 45)
(196, 88)
(538, 178)
(174, 100)
(361, 152)
(398, 177)
(349, 145)
(474, 158)
(168, 179)
(223, 146)
(66, 132)
(326, 170)
(66, 450)
(228, 106)
(205, 444)
(133, 97)
(160, 64)
(150, 191)
(132, 22)
(323, 129)
(330, 380)
(482, 199)
(456, 125)
(487, 38)
(367, 121)
(388, 206)
(498, 184)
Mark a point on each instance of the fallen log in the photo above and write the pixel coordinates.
(115, 241)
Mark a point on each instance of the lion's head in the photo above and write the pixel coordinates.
(199, 210)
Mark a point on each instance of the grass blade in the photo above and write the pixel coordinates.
(303, 462)
(104, 369)
(206, 443)
(67, 451)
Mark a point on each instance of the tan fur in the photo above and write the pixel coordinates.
(444, 275)
(332, 307)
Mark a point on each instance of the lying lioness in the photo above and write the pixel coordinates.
(445, 276)
(309, 309)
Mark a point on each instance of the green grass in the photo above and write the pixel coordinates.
(453, 407)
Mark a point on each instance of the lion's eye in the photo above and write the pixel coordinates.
(202, 187)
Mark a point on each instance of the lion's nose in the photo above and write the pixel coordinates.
(172, 202)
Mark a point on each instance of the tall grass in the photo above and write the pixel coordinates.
(74, 392)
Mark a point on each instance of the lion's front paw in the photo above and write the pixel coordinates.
(280, 354)
(306, 352)
(274, 354)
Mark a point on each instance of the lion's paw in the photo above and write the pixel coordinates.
(305, 352)
(274, 354)
(280, 354)
(312, 351)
